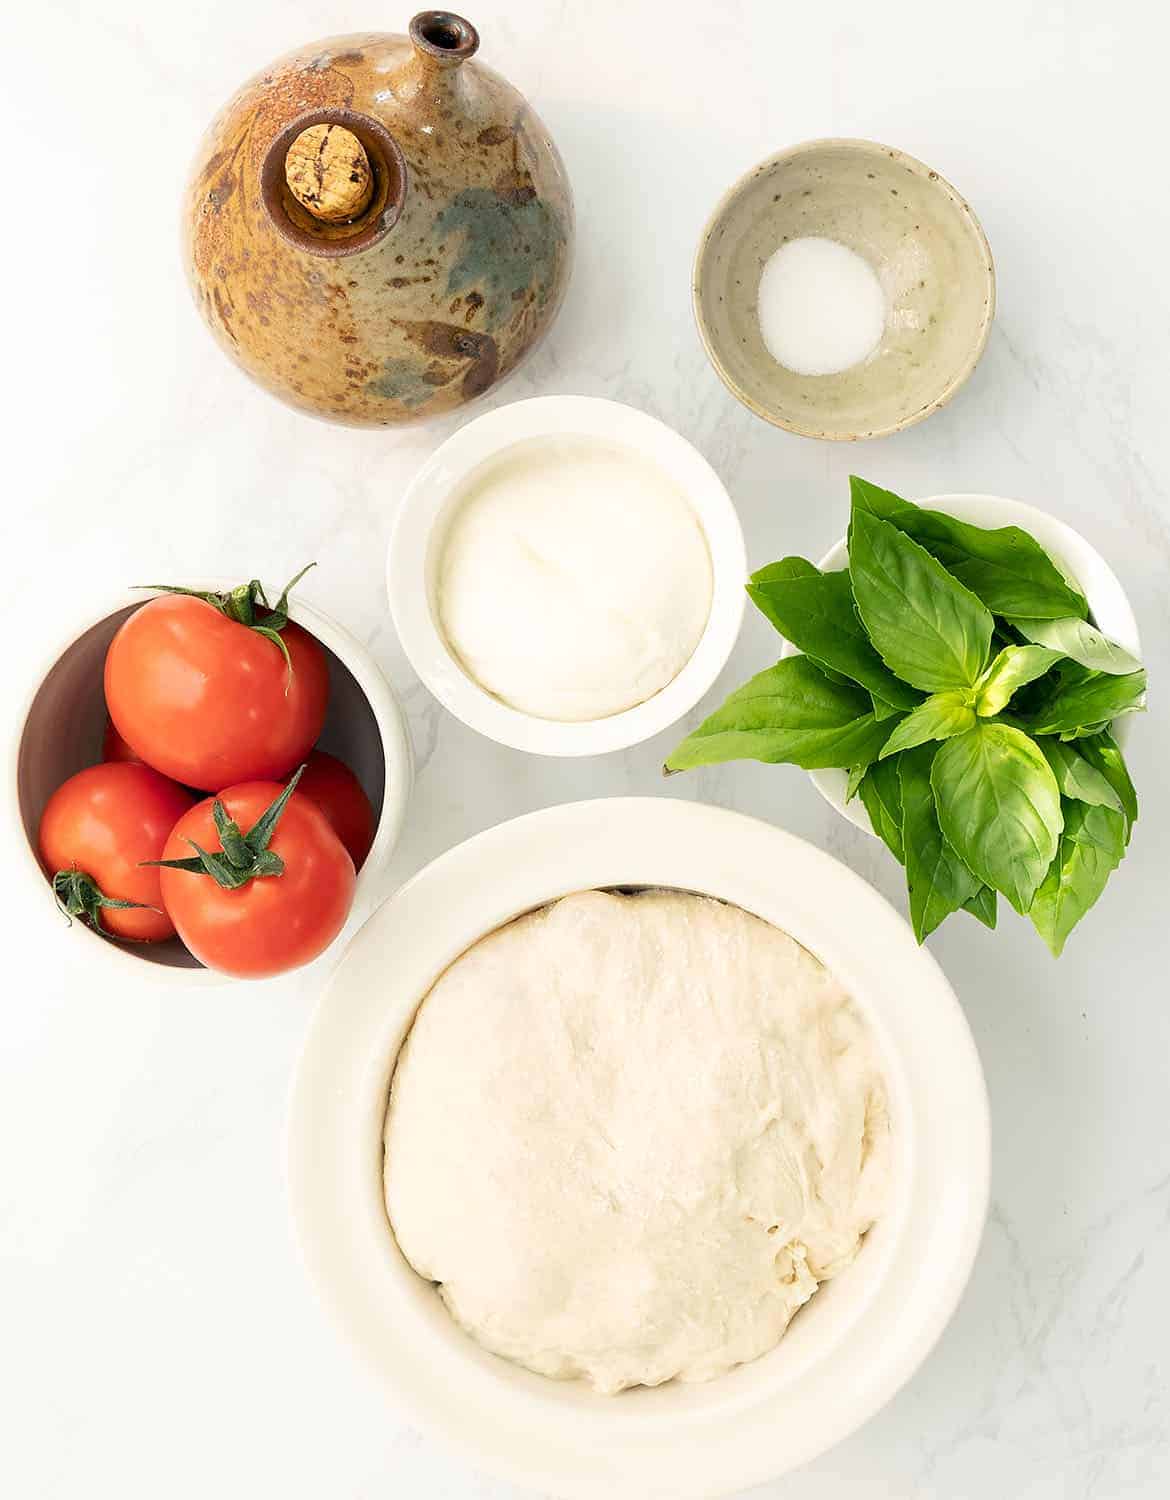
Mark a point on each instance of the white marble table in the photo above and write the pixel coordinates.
(157, 1336)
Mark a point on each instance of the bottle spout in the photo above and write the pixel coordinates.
(442, 39)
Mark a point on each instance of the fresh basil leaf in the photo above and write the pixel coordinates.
(1104, 754)
(837, 677)
(1091, 847)
(937, 879)
(1078, 779)
(883, 504)
(984, 906)
(787, 568)
(882, 709)
(1026, 701)
(1014, 573)
(941, 716)
(1079, 640)
(1014, 667)
(790, 713)
(999, 805)
(881, 792)
(1083, 731)
(927, 628)
(852, 786)
(1069, 673)
(1005, 567)
(817, 615)
(1079, 707)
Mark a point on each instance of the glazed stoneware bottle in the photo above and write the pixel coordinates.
(378, 229)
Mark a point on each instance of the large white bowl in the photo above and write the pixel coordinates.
(416, 544)
(864, 1333)
(59, 731)
(1077, 559)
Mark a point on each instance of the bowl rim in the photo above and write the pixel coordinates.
(122, 960)
(1071, 551)
(920, 169)
(532, 1431)
(424, 511)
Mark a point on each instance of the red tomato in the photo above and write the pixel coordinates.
(338, 793)
(102, 823)
(114, 747)
(209, 701)
(272, 923)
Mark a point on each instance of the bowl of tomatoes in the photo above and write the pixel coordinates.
(209, 783)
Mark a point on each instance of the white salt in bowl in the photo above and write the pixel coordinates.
(1077, 558)
(863, 1334)
(916, 233)
(420, 530)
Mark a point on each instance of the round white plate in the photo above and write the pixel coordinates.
(844, 1356)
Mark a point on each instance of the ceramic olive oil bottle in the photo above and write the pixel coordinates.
(378, 229)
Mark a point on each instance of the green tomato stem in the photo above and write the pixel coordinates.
(240, 604)
(242, 856)
(79, 895)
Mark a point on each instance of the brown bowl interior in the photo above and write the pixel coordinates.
(64, 728)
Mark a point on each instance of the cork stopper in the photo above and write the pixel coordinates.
(328, 171)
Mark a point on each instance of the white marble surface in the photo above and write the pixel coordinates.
(156, 1334)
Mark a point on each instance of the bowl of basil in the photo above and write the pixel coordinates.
(957, 678)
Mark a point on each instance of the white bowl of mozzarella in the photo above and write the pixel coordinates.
(566, 575)
(861, 1334)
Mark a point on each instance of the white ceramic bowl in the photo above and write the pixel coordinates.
(416, 545)
(864, 1333)
(1080, 561)
(60, 727)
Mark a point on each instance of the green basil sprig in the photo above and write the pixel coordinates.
(1091, 847)
(816, 613)
(999, 805)
(938, 880)
(1084, 703)
(953, 672)
(928, 629)
(1079, 641)
(1006, 568)
(793, 713)
(1013, 668)
(1104, 754)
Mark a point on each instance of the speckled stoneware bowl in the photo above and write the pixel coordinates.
(929, 252)
(434, 290)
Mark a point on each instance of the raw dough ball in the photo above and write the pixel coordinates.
(629, 1135)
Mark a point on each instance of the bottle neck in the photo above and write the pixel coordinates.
(442, 39)
(441, 43)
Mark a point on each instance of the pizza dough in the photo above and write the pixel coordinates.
(629, 1135)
